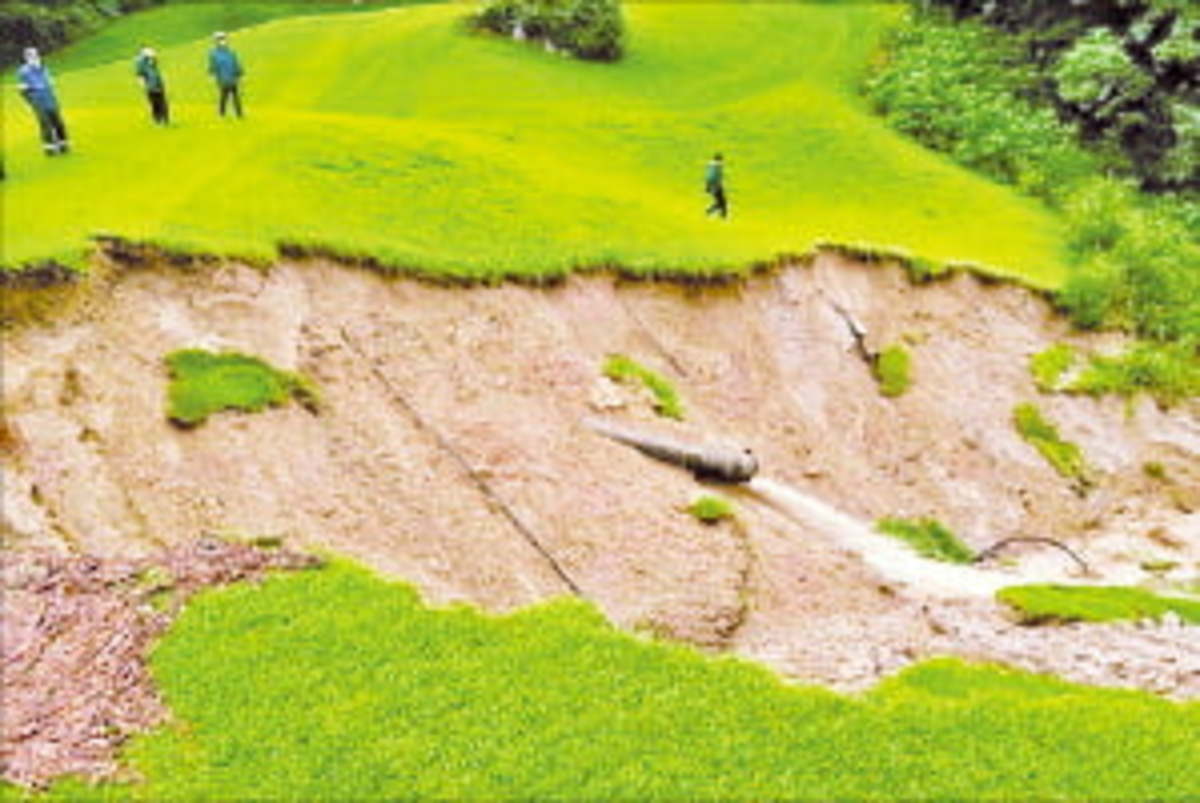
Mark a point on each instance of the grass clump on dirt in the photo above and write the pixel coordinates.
(203, 383)
(1049, 365)
(620, 368)
(1167, 372)
(892, 370)
(446, 175)
(1065, 457)
(929, 537)
(335, 683)
(1056, 603)
(711, 509)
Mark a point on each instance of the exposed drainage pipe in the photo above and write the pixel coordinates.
(713, 462)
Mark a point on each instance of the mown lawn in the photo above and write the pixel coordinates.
(401, 135)
(335, 684)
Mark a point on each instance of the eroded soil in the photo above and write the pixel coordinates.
(450, 453)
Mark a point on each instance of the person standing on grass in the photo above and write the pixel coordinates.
(146, 68)
(224, 66)
(36, 86)
(714, 185)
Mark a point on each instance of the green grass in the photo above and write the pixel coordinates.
(1168, 372)
(892, 370)
(333, 683)
(181, 22)
(203, 383)
(1048, 366)
(400, 135)
(711, 509)
(928, 537)
(1065, 457)
(620, 368)
(1049, 603)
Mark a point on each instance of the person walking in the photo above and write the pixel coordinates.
(224, 66)
(714, 185)
(37, 87)
(145, 67)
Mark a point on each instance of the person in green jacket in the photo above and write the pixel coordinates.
(224, 66)
(145, 67)
(714, 185)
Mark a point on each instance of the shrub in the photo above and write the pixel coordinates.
(711, 509)
(1065, 457)
(620, 368)
(1055, 603)
(929, 537)
(892, 370)
(590, 29)
(203, 383)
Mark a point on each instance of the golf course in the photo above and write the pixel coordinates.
(418, 435)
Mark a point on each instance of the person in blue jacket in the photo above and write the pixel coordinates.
(224, 66)
(36, 86)
(145, 67)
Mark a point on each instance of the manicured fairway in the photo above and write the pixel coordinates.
(401, 135)
(334, 684)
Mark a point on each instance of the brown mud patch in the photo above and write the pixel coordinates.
(450, 452)
(77, 633)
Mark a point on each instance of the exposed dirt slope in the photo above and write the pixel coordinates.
(450, 452)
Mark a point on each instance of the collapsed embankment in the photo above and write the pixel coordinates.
(450, 452)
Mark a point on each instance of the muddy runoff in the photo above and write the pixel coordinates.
(451, 452)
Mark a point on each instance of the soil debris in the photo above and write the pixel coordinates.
(77, 634)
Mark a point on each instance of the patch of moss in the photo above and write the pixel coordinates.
(893, 370)
(203, 383)
(1049, 365)
(620, 368)
(1038, 604)
(929, 537)
(711, 509)
(1065, 457)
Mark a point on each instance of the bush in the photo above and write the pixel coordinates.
(929, 537)
(963, 90)
(589, 29)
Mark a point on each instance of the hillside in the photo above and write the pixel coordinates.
(400, 135)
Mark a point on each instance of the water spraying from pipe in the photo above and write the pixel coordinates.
(891, 558)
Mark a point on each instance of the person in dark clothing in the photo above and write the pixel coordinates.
(146, 68)
(714, 185)
(36, 86)
(224, 66)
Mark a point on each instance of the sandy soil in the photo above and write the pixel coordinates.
(450, 452)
